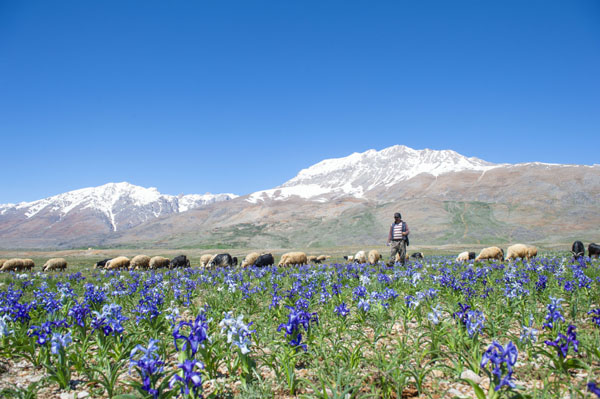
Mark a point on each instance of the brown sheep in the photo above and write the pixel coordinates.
(55, 264)
(12, 264)
(2, 262)
(293, 258)
(28, 264)
(120, 262)
(139, 262)
(490, 253)
(311, 258)
(531, 252)
(159, 262)
(360, 257)
(250, 259)
(516, 251)
(374, 256)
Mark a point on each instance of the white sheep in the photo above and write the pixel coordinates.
(360, 257)
(158, 262)
(28, 264)
(139, 262)
(120, 262)
(516, 251)
(250, 259)
(205, 259)
(374, 256)
(293, 258)
(55, 264)
(531, 252)
(490, 253)
(463, 257)
(12, 264)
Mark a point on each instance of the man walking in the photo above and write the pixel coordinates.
(398, 238)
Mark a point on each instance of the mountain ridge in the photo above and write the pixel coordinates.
(341, 200)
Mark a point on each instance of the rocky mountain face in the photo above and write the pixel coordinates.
(89, 214)
(445, 197)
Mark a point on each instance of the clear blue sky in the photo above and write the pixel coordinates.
(238, 96)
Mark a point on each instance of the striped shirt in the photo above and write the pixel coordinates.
(396, 231)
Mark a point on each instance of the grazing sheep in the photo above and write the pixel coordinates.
(12, 264)
(204, 259)
(490, 253)
(179, 261)
(222, 260)
(417, 255)
(349, 258)
(28, 264)
(374, 256)
(2, 262)
(250, 259)
(101, 264)
(120, 262)
(264, 260)
(322, 258)
(140, 262)
(360, 257)
(159, 262)
(516, 251)
(462, 257)
(531, 252)
(311, 259)
(594, 250)
(577, 249)
(293, 258)
(55, 264)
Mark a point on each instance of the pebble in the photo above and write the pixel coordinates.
(66, 395)
(470, 375)
(452, 392)
(83, 394)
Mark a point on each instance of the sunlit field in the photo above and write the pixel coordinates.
(431, 328)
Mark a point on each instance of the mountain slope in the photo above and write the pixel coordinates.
(445, 197)
(91, 213)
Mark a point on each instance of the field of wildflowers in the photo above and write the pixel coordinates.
(432, 328)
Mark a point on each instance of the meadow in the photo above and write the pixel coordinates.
(432, 328)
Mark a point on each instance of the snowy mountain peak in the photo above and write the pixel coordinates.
(121, 204)
(361, 172)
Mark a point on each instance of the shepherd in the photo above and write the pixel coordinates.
(398, 239)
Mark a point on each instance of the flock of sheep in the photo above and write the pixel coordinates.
(514, 251)
(16, 264)
(141, 262)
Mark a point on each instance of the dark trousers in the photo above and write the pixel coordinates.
(398, 247)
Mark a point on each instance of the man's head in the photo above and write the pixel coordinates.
(397, 216)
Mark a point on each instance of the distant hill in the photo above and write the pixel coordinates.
(446, 198)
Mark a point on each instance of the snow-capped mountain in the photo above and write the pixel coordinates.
(121, 205)
(359, 173)
(446, 197)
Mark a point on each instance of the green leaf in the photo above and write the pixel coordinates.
(574, 363)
